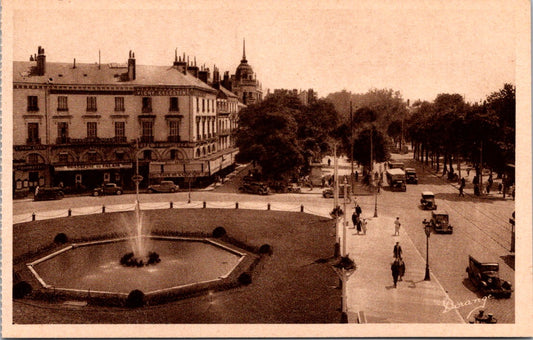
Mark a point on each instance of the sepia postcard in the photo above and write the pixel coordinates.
(266, 169)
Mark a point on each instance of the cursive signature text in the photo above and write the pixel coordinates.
(450, 305)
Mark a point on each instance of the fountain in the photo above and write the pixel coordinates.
(121, 266)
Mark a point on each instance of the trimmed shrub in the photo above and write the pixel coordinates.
(135, 299)
(265, 249)
(61, 238)
(219, 232)
(21, 289)
(245, 278)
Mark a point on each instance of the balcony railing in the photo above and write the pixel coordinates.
(33, 108)
(147, 139)
(33, 141)
(174, 139)
(90, 140)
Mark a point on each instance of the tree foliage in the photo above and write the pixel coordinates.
(282, 135)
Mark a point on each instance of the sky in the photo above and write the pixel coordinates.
(419, 48)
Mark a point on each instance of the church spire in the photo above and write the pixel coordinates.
(243, 51)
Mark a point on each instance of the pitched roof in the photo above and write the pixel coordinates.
(107, 74)
(227, 92)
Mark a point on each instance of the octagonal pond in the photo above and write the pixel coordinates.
(95, 267)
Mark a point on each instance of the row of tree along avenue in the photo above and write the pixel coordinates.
(283, 137)
(483, 135)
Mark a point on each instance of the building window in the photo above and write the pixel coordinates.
(91, 130)
(62, 103)
(147, 154)
(147, 104)
(119, 155)
(120, 128)
(147, 135)
(203, 105)
(33, 158)
(91, 103)
(63, 158)
(174, 104)
(33, 104)
(92, 156)
(198, 128)
(62, 132)
(119, 103)
(197, 104)
(33, 133)
(174, 131)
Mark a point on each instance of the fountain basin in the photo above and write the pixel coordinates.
(187, 264)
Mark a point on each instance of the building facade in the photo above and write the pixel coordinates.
(81, 125)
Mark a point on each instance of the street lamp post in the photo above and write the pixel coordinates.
(372, 173)
(427, 230)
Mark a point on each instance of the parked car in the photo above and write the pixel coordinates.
(330, 192)
(485, 276)
(410, 176)
(396, 165)
(440, 222)
(164, 186)
(254, 188)
(428, 200)
(108, 189)
(43, 194)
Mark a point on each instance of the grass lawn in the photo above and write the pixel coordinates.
(287, 287)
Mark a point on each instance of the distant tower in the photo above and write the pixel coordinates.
(244, 83)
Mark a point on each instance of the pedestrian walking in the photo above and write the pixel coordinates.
(358, 210)
(401, 269)
(397, 251)
(363, 225)
(462, 187)
(397, 225)
(356, 176)
(395, 269)
(500, 187)
(329, 161)
(354, 220)
(359, 223)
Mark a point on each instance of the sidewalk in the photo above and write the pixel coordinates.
(370, 289)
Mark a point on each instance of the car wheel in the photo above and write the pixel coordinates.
(172, 190)
(96, 193)
(119, 192)
(151, 190)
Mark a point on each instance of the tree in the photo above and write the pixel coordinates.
(379, 148)
(281, 135)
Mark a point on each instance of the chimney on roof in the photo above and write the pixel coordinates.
(131, 66)
(41, 61)
(204, 75)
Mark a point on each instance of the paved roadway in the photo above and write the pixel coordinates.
(480, 226)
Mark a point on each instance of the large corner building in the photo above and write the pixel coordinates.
(81, 125)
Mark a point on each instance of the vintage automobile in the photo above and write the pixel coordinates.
(259, 188)
(396, 179)
(282, 187)
(44, 194)
(108, 189)
(330, 192)
(410, 176)
(396, 165)
(485, 276)
(164, 186)
(440, 222)
(428, 200)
